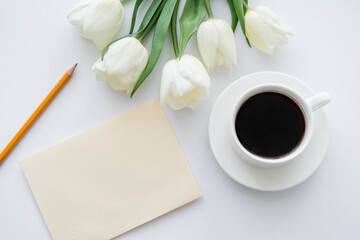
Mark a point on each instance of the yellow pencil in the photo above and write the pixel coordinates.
(36, 114)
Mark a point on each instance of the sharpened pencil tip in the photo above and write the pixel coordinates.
(71, 70)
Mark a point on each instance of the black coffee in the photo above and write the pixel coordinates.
(270, 125)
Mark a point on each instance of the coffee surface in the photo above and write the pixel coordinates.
(270, 125)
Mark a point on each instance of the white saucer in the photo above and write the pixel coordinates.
(265, 179)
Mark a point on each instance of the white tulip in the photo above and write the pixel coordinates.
(184, 83)
(98, 20)
(123, 64)
(216, 42)
(265, 29)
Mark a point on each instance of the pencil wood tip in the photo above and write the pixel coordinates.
(71, 70)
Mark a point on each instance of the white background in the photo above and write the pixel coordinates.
(38, 45)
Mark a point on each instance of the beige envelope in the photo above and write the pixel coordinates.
(111, 178)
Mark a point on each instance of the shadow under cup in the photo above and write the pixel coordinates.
(270, 125)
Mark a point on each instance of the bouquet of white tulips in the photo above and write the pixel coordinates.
(125, 62)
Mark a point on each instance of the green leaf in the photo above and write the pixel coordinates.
(190, 20)
(133, 18)
(158, 41)
(149, 15)
(234, 18)
(247, 3)
(245, 10)
(239, 9)
(104, 51)
(173, 30)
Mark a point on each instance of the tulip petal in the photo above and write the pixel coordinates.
(99, 69)
(265, 29)
(274, 20)
(201, 93)
(180, 86)
(116, 84)
(142, 61)
(207, 38)
(177, 103)
(98, 20)
(259, 34)
(227, 45)
(123, 64)
(184, 83)
(77, 14)
(191, 68)
(216, 42)
(124, 56)
(167, 79)
(103, 21)
(193, 104)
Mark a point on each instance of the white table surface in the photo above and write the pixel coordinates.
(38, 45)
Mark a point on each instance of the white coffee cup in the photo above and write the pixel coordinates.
(308, 106)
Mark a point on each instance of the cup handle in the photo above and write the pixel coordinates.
(319, 100)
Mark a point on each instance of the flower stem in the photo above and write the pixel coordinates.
(173, 30)
(142, 34)
(208, 9)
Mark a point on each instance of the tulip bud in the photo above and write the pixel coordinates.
(123, 64)
(265, 29)
(216, 42)
(98, 20)
(184, 83)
